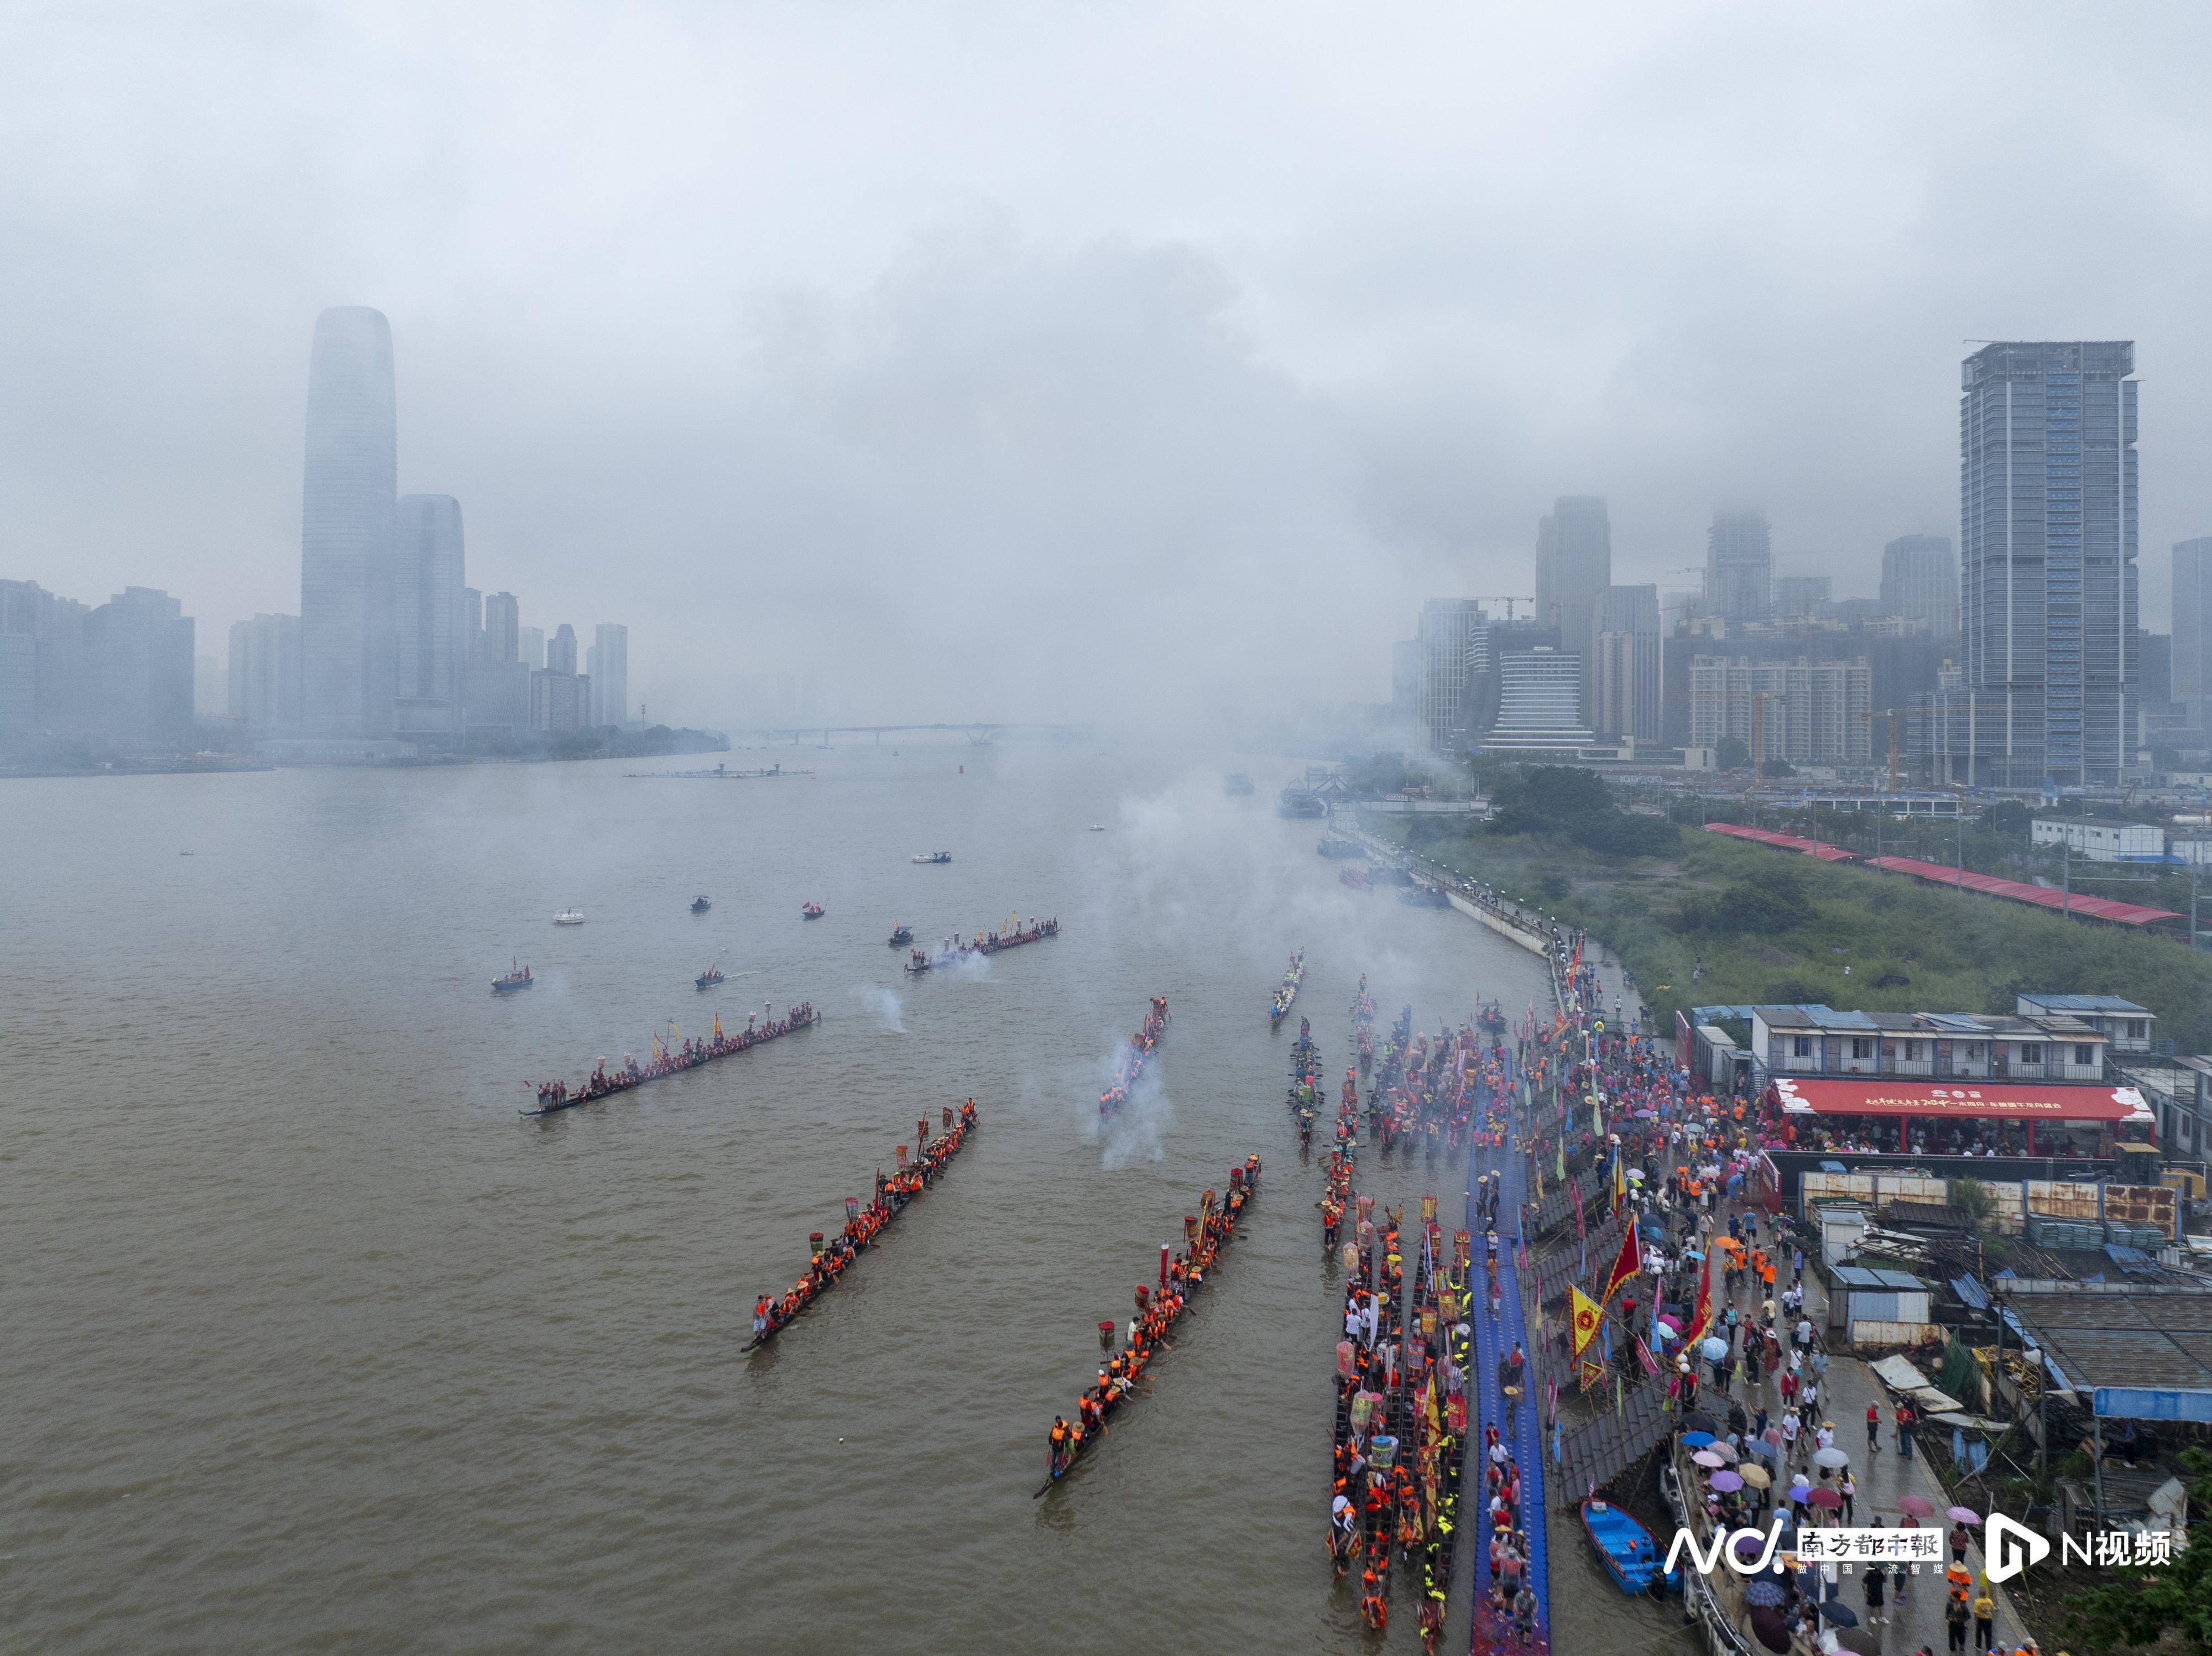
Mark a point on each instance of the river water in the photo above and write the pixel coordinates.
(312, 1342)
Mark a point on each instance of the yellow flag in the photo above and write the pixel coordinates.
(1429, 1405)
(1583, 1315)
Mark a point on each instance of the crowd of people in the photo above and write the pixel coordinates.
(1157, 1307)
(773, 1312)
(951, 951)
(1130, 1066)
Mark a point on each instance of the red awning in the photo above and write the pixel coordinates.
(2001, 1100)
(1804, 847)
(2094, 908)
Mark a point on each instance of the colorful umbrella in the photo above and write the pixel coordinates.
(1726, 1453)
(1831, 1459)
(1696, 1439)
(1919, 1505)
(1826, 1497)
(1764, 1591)
(1724, 1482)
(1707, 1458)
(1964, 1515)
(1754, 1475)
(1671, 1322)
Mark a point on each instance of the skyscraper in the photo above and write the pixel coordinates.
(1740, 566)
(348, 652)
(1539, 699)
(264, 674)
(561, 650)
(473, 631)
(2047, 523)
(1920, 581)
(1574, 566)
(432, 619)
(503, 627)
(532, 654)
(1625, 705)
(609, 675)
(140, 643)
(1449, 627)
(2192, 627)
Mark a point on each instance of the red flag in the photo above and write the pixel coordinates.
(1625, 1267)
(1701, 1316)
(1644, 1357)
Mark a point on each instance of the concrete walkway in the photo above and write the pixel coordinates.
(1881, 1476)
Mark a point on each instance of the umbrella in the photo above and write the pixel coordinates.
(1726, 1452)
(1919, 1505)
(1964, 1515)
(1693, 1253)
(1663, 1330)
(1770, 1629)
(1831, 1458)
(1764, 1591)
(1825, 1496)
(1859, 1641)
(1725, 1482)
(1699, 1421)
(1643, 1115)
(1715, 1349)
(1671, 1323)
(1755, 1476)
(1836, 1610)
(1759, 1445)
(1707, 1458)
(1746, 1545)
(1696, 1439)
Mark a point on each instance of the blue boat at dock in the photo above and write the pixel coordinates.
(1630, 1556)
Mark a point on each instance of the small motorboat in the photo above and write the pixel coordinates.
(1357, 878)
(569, 917)
(1492, 1018)
(1632, 1556)
(901, 935)
(1098, 828)
(517, 978)
(933, 856)
(709, 978)
(811, 911)
(700, 905)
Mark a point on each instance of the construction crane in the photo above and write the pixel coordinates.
(1507, 600)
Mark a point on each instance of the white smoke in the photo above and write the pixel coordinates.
(1138, 1131)
(885, 1004)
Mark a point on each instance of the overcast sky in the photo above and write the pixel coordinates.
(1045, 361)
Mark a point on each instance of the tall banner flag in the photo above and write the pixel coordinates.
(1625, 1266)
(1701, 1315)
(1560, 1163)
(1620, 1181)
(1644, 1358)
(1577, 1189)
(1584, 1317)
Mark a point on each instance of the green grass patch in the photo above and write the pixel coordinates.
(1767, 927)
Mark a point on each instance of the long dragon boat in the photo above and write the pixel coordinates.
(954, 952)
(1287, 991)
(667, 1060)
(1129, 1068)
(1205, 1233)
(864, 1225)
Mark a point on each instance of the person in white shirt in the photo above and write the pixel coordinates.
(1824, 1439)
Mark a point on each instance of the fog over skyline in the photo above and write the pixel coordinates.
(990, 361)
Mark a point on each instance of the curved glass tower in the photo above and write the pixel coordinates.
(348, 645)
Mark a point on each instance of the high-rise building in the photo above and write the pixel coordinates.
(2192, 628)
(348, 649)
(1574, 566)
(472, 627)
(1815, 711)
(432, 616)
(1447, 631)
(561, 650)
(1625, 704)
(609, 675)
(503, 627)
(264, 674)
(141, 644)
(2048, 525)
(1740, 566)
(532, 654)
(1803, 597)
(1539, 704)
(1920, 581)
(19, 686)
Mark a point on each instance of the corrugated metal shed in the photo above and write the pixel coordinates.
(2145, 1355)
